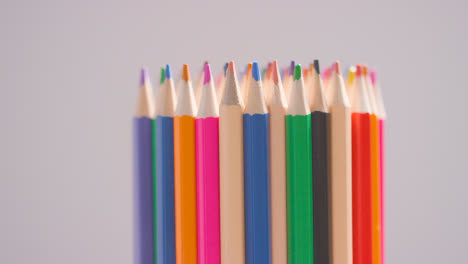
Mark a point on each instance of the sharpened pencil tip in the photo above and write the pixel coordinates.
(161, 78)
(225, 68)
(275, 72)
(231, 66)
(358, 70)
(144, 76)
(297, 72)
(364, 70)
(207, 78)
(317, 67)
(255, 71)
(185, 73)
(291, 68)
(373, 77)
(168, 72)
(336, 67)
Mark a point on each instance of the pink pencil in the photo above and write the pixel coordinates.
(207, 157)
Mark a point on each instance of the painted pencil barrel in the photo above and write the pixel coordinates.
(382, 188)
(362, 189)
(231, 184)
(341, 185)
(143, 191)
(185, 189)
(155, 199)
(320, 155)
(279, 228)
(257, 189)
(207, 156)
(299, 189)
(165, 190)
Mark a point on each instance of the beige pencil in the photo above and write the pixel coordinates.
(231, 176)
(340, 170)
(278, 105)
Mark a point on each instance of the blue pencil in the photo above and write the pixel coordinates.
(143, 175)
(165, 172)
(257, 174)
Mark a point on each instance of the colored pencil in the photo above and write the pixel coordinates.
(165, 171)
(143, 175)
(299, 175)
(207, 156)
(279, 228)
(320, 117)
(362, 172)
(267, 83)
(185, 173)
(340, 170)
(155, 197)
(375, 165)
(257, 173)
(382, 116)
(231, 174)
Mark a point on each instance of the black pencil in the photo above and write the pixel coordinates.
(320, 186)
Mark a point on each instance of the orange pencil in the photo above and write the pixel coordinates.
(375, 169)
(185, 173)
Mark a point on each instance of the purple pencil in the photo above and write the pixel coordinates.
(143, 174)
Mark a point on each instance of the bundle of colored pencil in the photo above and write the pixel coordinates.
(295, 176)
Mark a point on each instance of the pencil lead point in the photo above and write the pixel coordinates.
(161, 78)
(364, 70)
(291, 68)
(358, 71)
(336, 67)
(207, 78)
(255, 71)
(373, 77)
(144, 76)
(317, 67)
(168, 72)
(185, 73)
(231, 66)
(297, 72)
(275, 72)
(225, 68)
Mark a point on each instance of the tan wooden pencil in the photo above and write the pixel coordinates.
(340, 170)
(279, 230)
(231, 177)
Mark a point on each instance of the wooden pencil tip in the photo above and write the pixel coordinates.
(364, 70)
(185, 73)
(207, 71)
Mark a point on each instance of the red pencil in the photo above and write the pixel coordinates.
(361, 151)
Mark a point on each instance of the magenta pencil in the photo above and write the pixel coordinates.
(207, 158)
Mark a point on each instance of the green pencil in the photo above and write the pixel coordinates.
(299, 174)
(161, 82)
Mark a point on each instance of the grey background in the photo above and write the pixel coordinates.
(69, 76)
